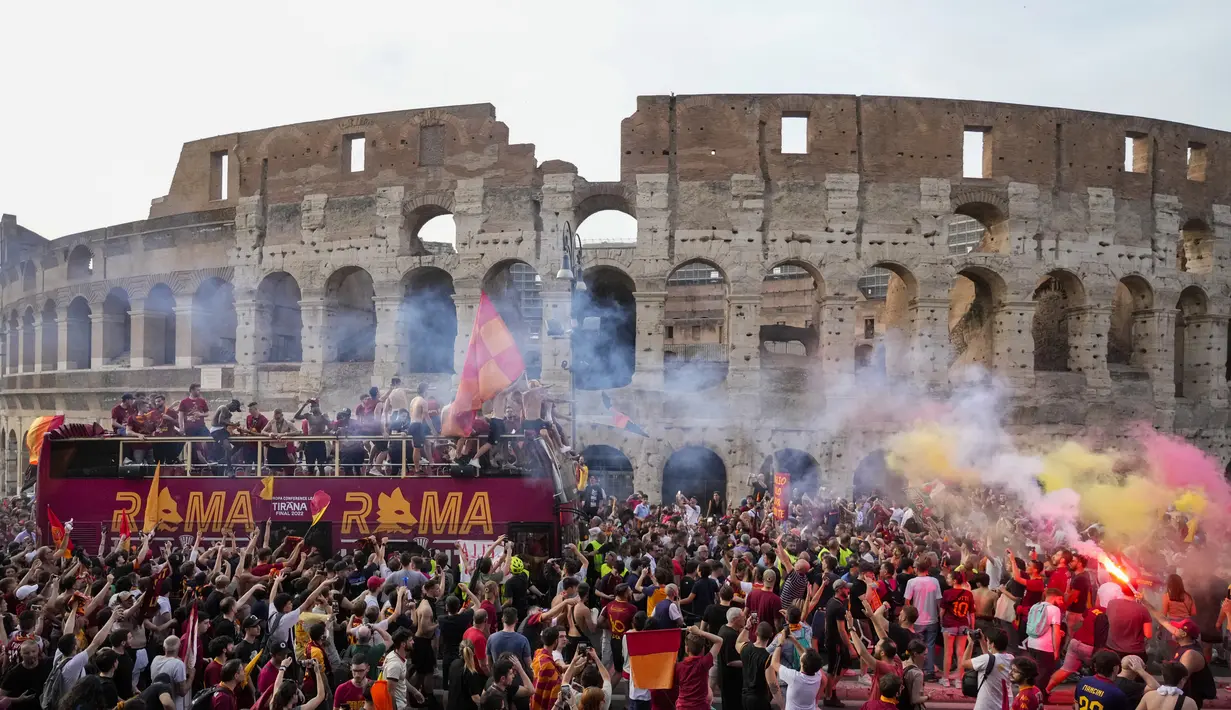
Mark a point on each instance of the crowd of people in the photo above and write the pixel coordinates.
(893, 595)
(396, 430)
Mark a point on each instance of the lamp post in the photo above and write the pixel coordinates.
(572, 270)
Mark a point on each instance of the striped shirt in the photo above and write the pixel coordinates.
(547, 675)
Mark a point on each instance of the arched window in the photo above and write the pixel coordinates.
(80, 262)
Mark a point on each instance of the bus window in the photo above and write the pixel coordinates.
(533, 543)
(84, 458)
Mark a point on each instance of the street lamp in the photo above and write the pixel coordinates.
(572, 269)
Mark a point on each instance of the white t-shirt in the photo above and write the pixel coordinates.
(801, 689)
(1046, 642)
(923, 593)
(173, 667)
(995, 694)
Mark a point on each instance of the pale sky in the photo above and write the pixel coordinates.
(98, 97)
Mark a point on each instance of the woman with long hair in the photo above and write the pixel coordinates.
(1178, 604)
(466, 680)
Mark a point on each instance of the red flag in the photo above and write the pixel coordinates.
(620, 420)
(188, 644)
(320, 501)
(58, 532)
(125, 530)
(493, 362)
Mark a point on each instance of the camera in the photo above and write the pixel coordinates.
(975, 635)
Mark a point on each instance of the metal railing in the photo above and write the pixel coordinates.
(193, 448)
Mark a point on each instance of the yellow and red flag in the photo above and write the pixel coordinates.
(34, 435)
(265, 489)
(58, 532)
(317, 506)
(493, 362)
(152, 505)
(651, 657)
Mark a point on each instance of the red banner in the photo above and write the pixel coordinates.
(782, 488)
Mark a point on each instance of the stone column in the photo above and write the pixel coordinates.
(1205, 342)
(837, 329)
(147, 335)
(249, 347)
(392, 340)
(102, 338)
(38, 344)
(22, 336)
(556, 351)
(1155, 330)
(317, 346)
(466, 301)
(931, 352)
(188, 348)
(649, 356)
(4, 351)
(1013, 343)
(62, 341)
(744, 343)
(1087, 327)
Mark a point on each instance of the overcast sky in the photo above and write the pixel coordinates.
(98, 97)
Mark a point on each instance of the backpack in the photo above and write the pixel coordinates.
(1036, 620)
(908, 676)
(204, 700)
(53, 688)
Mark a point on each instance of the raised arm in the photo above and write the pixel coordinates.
(714, 640)
(857, 643)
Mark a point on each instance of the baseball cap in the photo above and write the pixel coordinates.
(375, 583)
(1189, 627)
(840, 584)
(251, 622)
(279, 647)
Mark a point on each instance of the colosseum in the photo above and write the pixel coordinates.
(782, 243)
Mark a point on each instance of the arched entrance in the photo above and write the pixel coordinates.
(214, 321)
(51, 337)
(973, 301)
(1057, 294)
(279, 319)
(805, 471)
(515, 289)
(430, 317)
(611, 469)
(695, 352)
(790, 313)
(874, 477)
(1127, 339)
(80, 345)
(117, 328)
(1193, 304)
(159, 333)
(696, 472)
(605, 338)
(351, 315)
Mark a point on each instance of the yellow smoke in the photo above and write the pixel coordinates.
(1191, 502)
(928, 453)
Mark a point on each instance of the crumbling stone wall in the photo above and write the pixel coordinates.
(706, 177)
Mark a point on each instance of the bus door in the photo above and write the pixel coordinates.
(534, 543)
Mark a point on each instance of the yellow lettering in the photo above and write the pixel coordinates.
(479, 513)
(205, 518)
(241, 511)
(357, 517)
(129, 503)
(435, 519)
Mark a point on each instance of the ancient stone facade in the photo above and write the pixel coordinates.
(288, 262)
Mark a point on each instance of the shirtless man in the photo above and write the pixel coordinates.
(424, 652)
(420, 425)
(985, 603)
(220, 428)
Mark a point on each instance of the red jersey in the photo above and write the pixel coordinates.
(349, 696)
(956, 605)
(256, 422)
(194, 408)
(119, 416)
(1029, 698)
(1093, 629)
(692, 679)
(620, 618)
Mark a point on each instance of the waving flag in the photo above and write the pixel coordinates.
(493, 362)
(651, 657)
(620, 420)
(125, 529)
(188, 644)
(265, 489)
(152, 504)
(34, 435)
(320, 501)
(58, 531)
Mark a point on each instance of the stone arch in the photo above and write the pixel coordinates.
(695, 342)
(1056, 295)
(791, 295)
(350, 330)
(430, 319)
(1190, 325)
(606, 218)
(80, 262)
(974, 300)
(1195, 251)
(1128, 335)
(80, 348)
(214, 322)
(279, 326)
(51, 336)
(804, 469)
(874, 477)
(159, 331)
(29, 276)
(605, 335)
(116, 347)
(27, 340)
(515, 289)
(895, 315)
(611, 468)
(991, 212)
(432, 223)
(696, 471)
